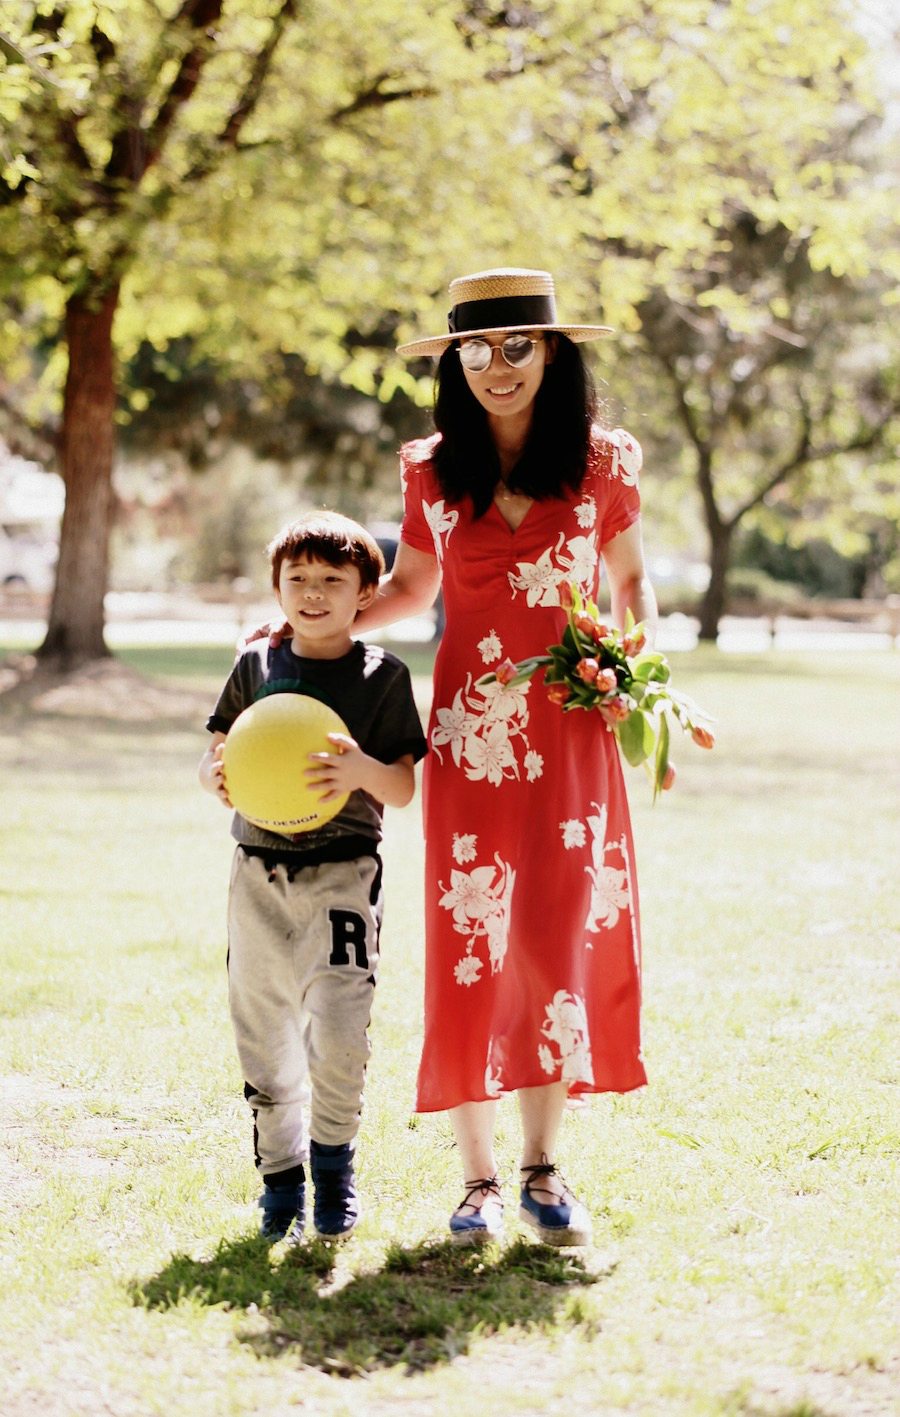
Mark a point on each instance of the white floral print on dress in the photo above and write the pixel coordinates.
(580, 560)
(586, 512)
(540, 580)
(627, 458)
(491, 756)
(440, 524)
(480, 903)
(609, 885)
(573, 833)
(534, 766)
(467, 970)
(464, 847)
(453, 727)
(484, 728)
(493, 1084)
(566, 1028)
(490, 648)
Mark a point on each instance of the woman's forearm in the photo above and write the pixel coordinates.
(393, 602)
(410, 588)
(637, 595)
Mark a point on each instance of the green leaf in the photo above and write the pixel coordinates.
(653, 667)
(824, 1149)
(662, 755)
(682, 1138)
(635, 735)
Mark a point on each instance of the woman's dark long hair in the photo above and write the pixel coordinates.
(556, 454)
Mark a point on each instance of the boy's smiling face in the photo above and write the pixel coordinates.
(321, 602)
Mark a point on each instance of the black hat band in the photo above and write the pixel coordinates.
(506, 312)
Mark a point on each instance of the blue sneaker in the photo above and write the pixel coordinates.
(559, 1219)
(476, 1222)
(336, 1207)
(283, 1209)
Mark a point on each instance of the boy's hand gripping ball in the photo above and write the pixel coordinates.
(266, 756)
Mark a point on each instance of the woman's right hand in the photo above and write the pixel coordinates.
(274, 630)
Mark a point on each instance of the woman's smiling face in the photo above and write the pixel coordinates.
(502, 390)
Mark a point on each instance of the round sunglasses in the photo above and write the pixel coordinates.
(518, 351)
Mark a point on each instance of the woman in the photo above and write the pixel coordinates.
(532, 944)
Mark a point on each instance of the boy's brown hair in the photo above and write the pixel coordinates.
(328, 537)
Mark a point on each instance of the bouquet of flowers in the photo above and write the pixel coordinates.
(597, 666)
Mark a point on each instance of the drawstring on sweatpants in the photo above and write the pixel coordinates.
(271, 866)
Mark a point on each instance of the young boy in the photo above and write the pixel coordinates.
(304, 911)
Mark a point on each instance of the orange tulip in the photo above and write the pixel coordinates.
(506, 671)
(668, 777)
(606, 681)
(587, 670)
(558, 693)
(703, 738)
(617, 708)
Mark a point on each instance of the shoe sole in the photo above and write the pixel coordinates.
(335, 1236)
(560, 1236)
(472, 1239)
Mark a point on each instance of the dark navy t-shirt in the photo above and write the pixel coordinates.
(368, 686)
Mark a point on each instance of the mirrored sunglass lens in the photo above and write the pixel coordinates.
(475, 354)
(518, 351)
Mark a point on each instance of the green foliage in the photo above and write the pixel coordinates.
(368, 166)
(816, 565)
(269, 180)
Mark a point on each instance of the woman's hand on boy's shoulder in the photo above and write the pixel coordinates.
(274, 631)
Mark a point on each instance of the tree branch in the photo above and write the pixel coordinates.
(37, 441)
(253, 90)
(798, 458)
(14, 54)
(703, 447)
(249, 99)
(685, 412)
(200, 15)
(805, 454)
(376, 97)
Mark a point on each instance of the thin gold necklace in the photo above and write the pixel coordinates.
(503, 492)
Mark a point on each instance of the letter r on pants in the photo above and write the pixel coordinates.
(348, 931)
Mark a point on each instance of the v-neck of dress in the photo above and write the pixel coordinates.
(509, 526)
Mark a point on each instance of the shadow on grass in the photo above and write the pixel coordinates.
(420, 1309)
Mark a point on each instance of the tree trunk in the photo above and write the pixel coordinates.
(75, 628)
(712, 606)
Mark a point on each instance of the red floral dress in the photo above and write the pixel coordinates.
(532, 930)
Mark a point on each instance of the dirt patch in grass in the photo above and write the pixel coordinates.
(102, 689)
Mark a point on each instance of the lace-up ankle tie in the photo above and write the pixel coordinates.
(484, 1222)
(558, 1220)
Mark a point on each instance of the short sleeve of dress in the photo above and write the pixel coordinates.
(617, 464)
(414, 462)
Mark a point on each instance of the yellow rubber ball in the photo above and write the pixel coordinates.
(265, 759)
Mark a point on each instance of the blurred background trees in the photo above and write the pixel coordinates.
(217, 219)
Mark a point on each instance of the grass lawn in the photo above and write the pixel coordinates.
(744, 1262)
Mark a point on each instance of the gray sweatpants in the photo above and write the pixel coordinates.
(302, 963)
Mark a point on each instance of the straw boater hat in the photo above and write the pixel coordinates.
(505, 299)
